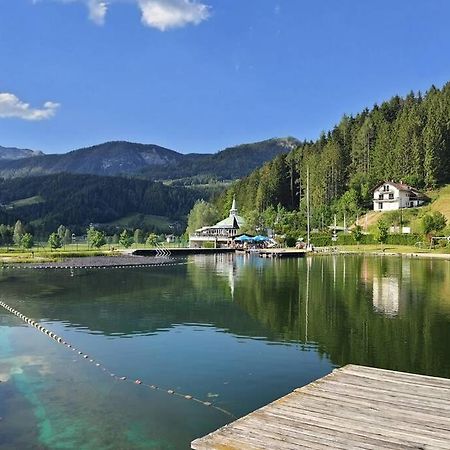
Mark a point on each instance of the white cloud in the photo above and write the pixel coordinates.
(12, 106)
(97, 11)
(166, 14)
(159, 14)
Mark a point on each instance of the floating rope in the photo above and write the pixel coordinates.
(91, 360)
(111, 266)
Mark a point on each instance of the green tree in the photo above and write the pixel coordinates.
(61, 232)
(6, 235)
(18, 233)
(382, 231)
(95, 238)
(202, 214)
(27, 240)
(138, 236)
(125, 239)
(54, 241)
(152, 239)
(433, 223)
(358, 234)
(67, 239)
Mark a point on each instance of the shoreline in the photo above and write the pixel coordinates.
(428, 255)
(132, 260)
(96, 262)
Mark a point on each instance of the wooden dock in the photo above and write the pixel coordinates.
(281, 253)
(354, 407)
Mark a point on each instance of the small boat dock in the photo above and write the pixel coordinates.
(353, 407)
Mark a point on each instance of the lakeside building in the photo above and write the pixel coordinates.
(389, 196)
(221, 234)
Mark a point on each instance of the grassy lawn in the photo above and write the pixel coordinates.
(38, 254)
(392, 249)
(441, 201)
(26, 202)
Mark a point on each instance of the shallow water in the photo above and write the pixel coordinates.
(235, 331)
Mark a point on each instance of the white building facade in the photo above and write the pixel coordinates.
(390, 196)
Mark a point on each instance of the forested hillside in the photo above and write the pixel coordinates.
(403, 139)
(77, 200)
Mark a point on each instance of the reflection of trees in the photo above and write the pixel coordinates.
(269, 300)
(340, 317)
(129, 301)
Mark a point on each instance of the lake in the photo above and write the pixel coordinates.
(234, 331)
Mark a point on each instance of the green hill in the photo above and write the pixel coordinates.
(77, 200)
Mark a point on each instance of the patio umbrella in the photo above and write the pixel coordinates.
(260, 238)
(243, 238)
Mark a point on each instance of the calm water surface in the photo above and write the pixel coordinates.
(235, 331)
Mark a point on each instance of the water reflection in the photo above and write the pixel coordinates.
(349, 308)
(240, 330)
(386, 295)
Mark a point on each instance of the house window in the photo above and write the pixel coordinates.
(386, 187)
(380, 205)
(391, 196)
(380, 196)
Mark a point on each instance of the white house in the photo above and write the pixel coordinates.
(389, 196)
(220, 234)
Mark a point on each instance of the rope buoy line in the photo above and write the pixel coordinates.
(91, 360)
(126, 266)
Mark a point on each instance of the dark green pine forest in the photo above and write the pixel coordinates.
(404, 139)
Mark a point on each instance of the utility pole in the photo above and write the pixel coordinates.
(308, 208)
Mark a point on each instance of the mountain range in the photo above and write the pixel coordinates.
(148, 161)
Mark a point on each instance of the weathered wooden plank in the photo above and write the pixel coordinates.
(381, 416)
(355, 427)
(390, 375)
(379, 396)
(334, 439)
(354, 407)
(382, 407)
(354, 438)
(396, 386)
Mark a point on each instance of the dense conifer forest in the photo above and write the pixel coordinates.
(404, 139)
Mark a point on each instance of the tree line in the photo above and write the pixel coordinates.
(95, 238)
(404, 139)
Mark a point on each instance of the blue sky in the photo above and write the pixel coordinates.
(198, 76)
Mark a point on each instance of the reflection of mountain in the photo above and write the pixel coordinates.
(342, 305)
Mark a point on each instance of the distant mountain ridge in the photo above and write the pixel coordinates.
(144, 160)
(13, 153)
